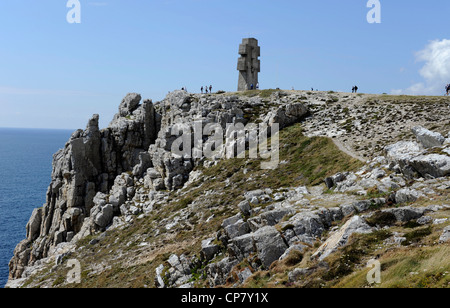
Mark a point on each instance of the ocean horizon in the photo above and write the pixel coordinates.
(26, 156)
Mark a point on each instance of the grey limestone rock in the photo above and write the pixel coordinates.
(413, 161)
(445, 237)
(431, 165)
(270, 245)
(209, 249)
(405, 214)
(354, 225)
(104, 216)
(237, 229)
(286, 115)
(218, 272)
(129, 104)
(427, 138)
(266, 242)
(406, 195)
(34, 224)
(245, 208)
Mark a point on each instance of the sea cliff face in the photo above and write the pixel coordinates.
(130, 198)
(88, 164)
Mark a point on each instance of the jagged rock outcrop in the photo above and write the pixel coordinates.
(89, 163)
(429, 159)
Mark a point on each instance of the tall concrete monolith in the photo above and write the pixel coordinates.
(248, 64)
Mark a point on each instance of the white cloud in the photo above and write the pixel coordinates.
(435, 72)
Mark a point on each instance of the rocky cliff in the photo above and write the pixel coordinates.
(89, 164)
(137, 213)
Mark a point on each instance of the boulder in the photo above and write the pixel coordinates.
(34, 224)
(287, 115)
(245, 208)
(269, 218)
(362, 205)
(445, 237)
(427, 138)
(231, 220)
(178, 98)
(298, 273)
(333, 180)
(266, 242)
(405, 214)
(425, 220)
(237, 229)
(269, 245)
(104, 217)
(209, 249)
(347, 209)
(218, 272)
(406, 195)
(402, 150)
(412, 161)
(340, 238)
(431, 165)
(129, 104)
(303, 227)
(253, 194)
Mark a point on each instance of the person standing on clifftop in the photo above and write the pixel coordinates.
(356, 89)
(210, 89)
(201, 89)
(447, 89)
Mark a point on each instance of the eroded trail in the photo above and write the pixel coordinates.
(347, 151)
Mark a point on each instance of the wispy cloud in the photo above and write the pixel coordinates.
(435, 72)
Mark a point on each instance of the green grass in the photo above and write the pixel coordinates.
(309, 162)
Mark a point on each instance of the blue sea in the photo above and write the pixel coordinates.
(25, 173)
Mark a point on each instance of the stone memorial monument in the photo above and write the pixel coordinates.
(248, 64)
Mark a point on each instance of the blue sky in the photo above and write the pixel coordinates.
(56, 75)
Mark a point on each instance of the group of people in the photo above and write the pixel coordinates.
(354, 89)
(206, 89)
(252, 87)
